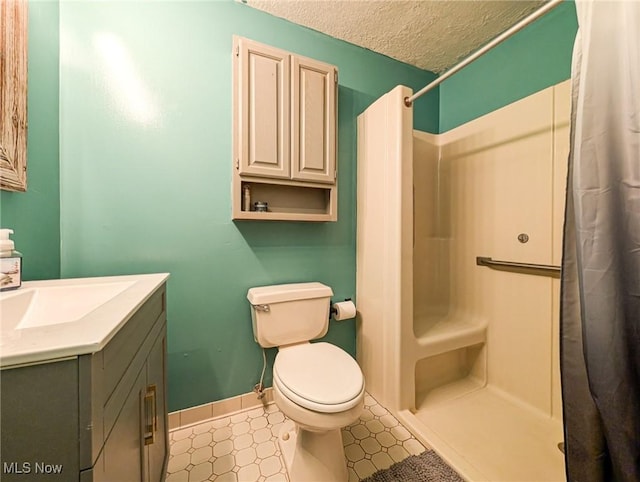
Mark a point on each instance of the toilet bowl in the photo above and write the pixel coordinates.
(318, 386)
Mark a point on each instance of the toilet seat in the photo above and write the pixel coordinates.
(319, 377)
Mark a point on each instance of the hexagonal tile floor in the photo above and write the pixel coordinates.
(244, 447)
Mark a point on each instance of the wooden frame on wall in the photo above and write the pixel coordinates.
(13, 95)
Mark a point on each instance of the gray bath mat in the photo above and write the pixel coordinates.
(426, 467)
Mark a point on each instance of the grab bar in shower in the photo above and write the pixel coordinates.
(527, 268)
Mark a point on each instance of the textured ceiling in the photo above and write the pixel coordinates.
(431, 34)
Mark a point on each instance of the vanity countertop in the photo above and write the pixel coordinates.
(53, 319)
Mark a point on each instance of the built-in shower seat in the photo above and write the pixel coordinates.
(436, 335)
(449, 355)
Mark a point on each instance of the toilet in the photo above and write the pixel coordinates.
(318, 386)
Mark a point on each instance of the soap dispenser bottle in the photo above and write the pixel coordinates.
(10, 263)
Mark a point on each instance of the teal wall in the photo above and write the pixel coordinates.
(535, 58)
(35, 215)
(145, 129)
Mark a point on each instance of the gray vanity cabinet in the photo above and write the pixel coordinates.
(100, 417)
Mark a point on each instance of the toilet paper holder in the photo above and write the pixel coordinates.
(333, 311)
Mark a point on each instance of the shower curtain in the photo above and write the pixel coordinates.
(600, 299)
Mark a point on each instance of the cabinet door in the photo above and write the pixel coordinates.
(122, 458)
(313, 120)
(39, 422)
(157, 452)
(262, 84)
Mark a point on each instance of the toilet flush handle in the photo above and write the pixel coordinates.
(261, 308)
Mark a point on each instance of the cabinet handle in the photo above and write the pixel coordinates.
(150, 415)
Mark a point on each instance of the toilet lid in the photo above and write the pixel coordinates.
(319, 376)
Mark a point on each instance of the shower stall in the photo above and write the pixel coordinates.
(465, 354)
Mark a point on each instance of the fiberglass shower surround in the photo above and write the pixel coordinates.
(464, 355)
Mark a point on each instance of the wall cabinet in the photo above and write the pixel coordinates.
(100, 417)
(284, 134)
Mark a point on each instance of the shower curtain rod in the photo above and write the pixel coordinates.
(500, 38)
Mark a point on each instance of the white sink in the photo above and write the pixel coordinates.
(52, 305)
(51, 319)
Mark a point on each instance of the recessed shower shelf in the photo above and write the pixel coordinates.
(449, 391)
(450, 375)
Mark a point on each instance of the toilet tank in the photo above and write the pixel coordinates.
(289, 313)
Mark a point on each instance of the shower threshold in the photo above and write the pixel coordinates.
(487, 436)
